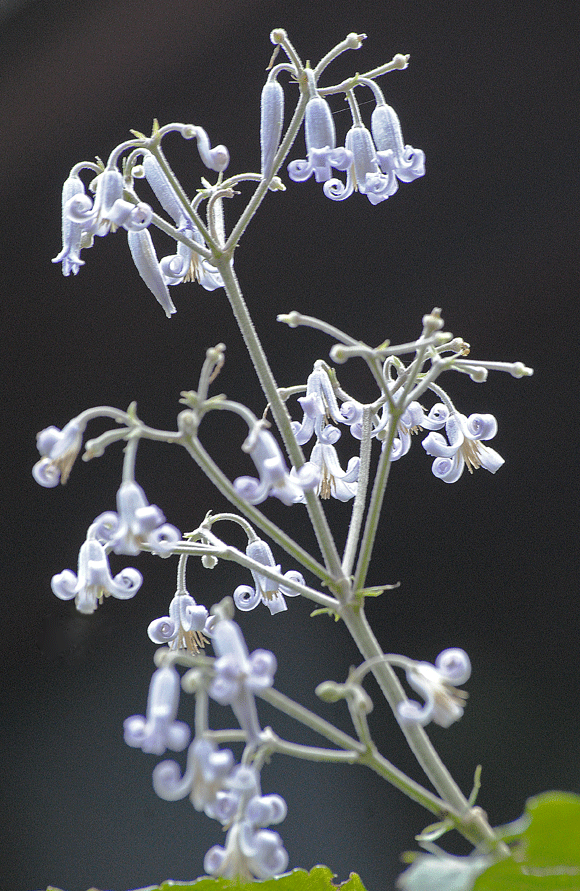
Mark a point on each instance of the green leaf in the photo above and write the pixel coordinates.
(545, 845)
(318, 879)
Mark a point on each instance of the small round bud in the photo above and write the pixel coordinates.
(401, 61)
(521, 370)
(337, 354)
(292, 319)
(354, 41)
(278, 35)
(187, 422)
(329, 691)
(478, 374)
(432, 321)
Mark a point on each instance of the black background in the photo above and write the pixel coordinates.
(490, 234)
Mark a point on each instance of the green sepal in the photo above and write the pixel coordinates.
(545, 844)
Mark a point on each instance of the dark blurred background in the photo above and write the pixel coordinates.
(490, 234)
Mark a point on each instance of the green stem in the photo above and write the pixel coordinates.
(223, 485)
(375, 506)
(359, 753)
(361, 492)
(470, 823)
(281, 416)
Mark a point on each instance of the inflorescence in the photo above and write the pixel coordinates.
(409, 402)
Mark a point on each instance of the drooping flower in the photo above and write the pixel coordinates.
(271, 121)
(266, 590)
(93, 580)
(159, 730)
(184, 627)
(109, 209)
(444, 703)
(204, 780)
(72, 233)
(333, 480)
(250, 851)
(463, 445)
(364, 174)
(274, 476)
(185, 265)
(406, 162)
(411, 421)
(320, 134)
(58, 449)
(239, 675)
(136, 523)
(320, 406)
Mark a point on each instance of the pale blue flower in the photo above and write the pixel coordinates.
(159, 730)
(364, 174)
(320, 406)
(93, 580)
(108, 210)
(463, 445)
(274, 476)
(320, 134)
(72, 233)
(250, 851)
(185, 265)
(204, 780)
(333, 481)
(444, 703)
(184, 627)
(58, 449)
(266, 590)
(136, 523)
(406, 162)
(238, 675)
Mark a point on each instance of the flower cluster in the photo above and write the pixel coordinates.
(230, 794)
(374, 160)
(116, 204)
(250, 850)
(137, 525)
(224, 791)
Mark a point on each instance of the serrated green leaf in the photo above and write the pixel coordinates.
(546, 848)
